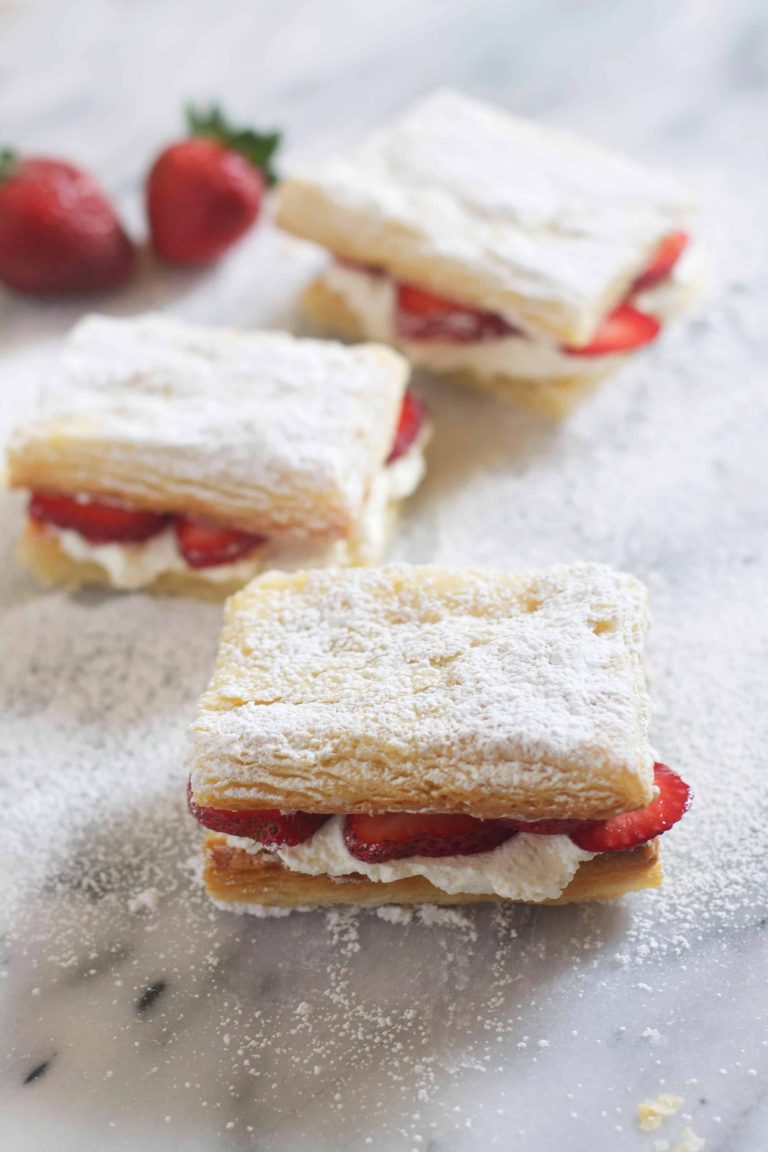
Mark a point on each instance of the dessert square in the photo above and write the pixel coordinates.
(413, 734)
(168, 452)
(499, 250)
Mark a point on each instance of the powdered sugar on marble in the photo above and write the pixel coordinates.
(416, 1030)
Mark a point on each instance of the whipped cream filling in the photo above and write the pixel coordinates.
(132, 566)
(525, 867)
(372, 298)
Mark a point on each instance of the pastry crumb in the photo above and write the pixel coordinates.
(650, 1113)
(689, 1141)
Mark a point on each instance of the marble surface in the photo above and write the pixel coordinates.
(134, 1015)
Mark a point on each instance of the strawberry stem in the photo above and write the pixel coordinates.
(258, 148)
(8, 160)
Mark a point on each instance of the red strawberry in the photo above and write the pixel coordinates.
(412, 417)
(624, 329)
(267, 825)
(95, 520)
(58, 232)
(420, 302)
(667, 255)
(548, 827)
(423, 316)
(205, 192)
(394, 835)
(205, 545)
(633, 828)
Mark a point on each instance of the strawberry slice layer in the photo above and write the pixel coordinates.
(667, 255)
(205, 545)
(272, 828)
(548, 827)
(395, 835)
(412, 417)
(96, 520)
(630, 829)
(422, 316)
(624, 329)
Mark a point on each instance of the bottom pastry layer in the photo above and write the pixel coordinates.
(553, 396)
(239, 878)
(42, 553)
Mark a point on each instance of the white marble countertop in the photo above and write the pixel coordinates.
(134, 1015)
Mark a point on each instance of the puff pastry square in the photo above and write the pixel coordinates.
(497, 214)
(261, 432)
(426, 690)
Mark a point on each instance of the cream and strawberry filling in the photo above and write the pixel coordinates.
(514, 859)
(135, 547)
(445, 335)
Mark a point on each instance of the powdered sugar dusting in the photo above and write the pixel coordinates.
(433, 1010)
(261, 429)
(497, 694)
(188, 1027)
(503, 207)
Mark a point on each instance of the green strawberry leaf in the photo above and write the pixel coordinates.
(258, 148)
(8, 160)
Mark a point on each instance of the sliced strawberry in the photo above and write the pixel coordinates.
(205, 545)
(394, 835)
(412, 417)
(269, 826)
(624, 329)
(630, 829)
(548, 827)
(96, 520)
(420, 302)
(422, 316)
(667, 255)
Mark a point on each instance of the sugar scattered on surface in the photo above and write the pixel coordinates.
(394, 914)
(659, 475)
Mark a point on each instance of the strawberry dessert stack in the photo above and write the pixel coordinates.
(415, 734)
(503, 253)
(187, 460)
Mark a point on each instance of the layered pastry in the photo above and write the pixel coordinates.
(503, 252)
(184, 459)
(412, 734)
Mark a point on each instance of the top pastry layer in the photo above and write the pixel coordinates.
(423, 689)
(255, 430)
(493, 211)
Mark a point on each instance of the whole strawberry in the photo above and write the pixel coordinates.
(205, 192)
(58, 232)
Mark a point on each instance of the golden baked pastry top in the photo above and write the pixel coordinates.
(259, 431)
(424, 689)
